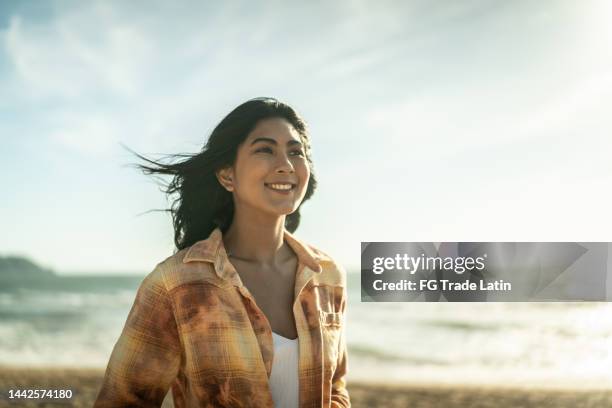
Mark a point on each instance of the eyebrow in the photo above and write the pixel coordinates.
(292, 142)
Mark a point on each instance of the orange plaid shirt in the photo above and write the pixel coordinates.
(196, 328)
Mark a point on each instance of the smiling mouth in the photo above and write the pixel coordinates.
(281, 187)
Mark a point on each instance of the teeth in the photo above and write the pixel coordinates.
(280, 186)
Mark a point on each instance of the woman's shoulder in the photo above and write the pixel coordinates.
(176, 270)
(317, 259)
(332, 272)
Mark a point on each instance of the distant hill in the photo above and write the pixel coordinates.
(16, 266)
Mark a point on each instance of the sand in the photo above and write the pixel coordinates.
(85, 383)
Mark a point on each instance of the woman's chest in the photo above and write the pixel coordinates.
(273, 295)
(221, 326)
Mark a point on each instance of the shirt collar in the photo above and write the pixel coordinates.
(212, 250)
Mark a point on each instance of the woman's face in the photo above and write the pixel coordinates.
(271, 172)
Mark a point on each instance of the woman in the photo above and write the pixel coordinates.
(244, 314)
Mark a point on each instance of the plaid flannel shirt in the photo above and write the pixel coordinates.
(195, 327)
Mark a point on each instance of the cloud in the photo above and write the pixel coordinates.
(67, 59)
(112, 73)
(480, 118)
(86, 133)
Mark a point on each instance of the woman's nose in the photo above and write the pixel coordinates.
(284, 164)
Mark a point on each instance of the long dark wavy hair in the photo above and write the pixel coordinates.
(202, 203)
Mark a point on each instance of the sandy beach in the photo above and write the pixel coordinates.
(84, 384)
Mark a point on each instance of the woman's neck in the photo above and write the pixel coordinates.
(257, 239)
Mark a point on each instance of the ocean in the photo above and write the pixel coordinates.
(74, 321)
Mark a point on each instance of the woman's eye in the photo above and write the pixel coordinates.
(297, 153)
(264, 149)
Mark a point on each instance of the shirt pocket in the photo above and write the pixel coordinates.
(331, 327)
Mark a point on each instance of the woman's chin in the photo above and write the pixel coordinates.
(284, 210)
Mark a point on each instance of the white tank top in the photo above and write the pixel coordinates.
(284, 382)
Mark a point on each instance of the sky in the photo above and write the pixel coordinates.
(430, 121)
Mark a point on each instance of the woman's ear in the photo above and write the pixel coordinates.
(225, 177)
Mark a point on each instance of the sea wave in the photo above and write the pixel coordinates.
(78, 325)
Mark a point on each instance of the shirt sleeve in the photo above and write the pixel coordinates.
(339, 394)
(146, 358)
